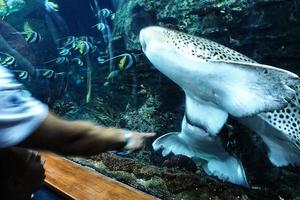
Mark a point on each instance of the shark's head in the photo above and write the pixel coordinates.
(164, 42)
(158, 46)
(170, 52)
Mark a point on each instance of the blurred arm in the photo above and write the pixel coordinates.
(80, 137)
(73, 137)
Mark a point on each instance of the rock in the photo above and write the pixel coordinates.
(181, 162)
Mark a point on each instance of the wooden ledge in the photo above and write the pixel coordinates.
(73, 181)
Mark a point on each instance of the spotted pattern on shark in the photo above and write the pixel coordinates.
(205, 49)
(287, 120)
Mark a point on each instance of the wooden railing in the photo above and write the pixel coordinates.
(73, 181)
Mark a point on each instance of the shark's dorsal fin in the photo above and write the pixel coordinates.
(246, 89)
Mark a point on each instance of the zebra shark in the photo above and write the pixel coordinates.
(219, 82)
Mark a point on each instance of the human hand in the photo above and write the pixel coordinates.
(135, 140)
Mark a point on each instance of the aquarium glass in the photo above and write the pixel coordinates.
(215, 79)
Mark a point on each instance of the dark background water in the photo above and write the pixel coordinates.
(79, 16)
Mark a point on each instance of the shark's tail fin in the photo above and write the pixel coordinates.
(219, 162)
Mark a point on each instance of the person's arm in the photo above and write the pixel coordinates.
(80, 137)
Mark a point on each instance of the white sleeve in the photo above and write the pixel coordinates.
(20, 114)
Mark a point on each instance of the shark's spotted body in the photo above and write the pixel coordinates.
(287, 120)
(218, 82)
(203, 48)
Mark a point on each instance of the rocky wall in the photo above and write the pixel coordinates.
(265, 30)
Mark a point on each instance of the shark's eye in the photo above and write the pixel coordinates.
(265, 71)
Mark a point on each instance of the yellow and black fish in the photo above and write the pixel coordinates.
(7, 60)
(29, 34)
(123, 61)
(83, 47)
(33, 37)
(78, 61)
(20, 74)
(64, 52)
(61, 60)
(45, 73)
(51, 6)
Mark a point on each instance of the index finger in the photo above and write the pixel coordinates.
(149, 135)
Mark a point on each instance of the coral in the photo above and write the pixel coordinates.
(147, 172)
(168, 183)
(180, 162)
(123, 176)
(148, 118)
(158, 185)
(61, 107)
(142, 119)
(104, 112)
(200, 195)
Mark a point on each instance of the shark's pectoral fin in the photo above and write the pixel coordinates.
(246, 89)
(219, 162)
(205, 114)
(197, 144)
(172, 143)
(228, 169)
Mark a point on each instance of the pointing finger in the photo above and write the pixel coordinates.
(149, 135)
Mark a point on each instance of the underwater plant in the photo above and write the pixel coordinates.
(103, 111)
(7, 60)
(89, 80)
